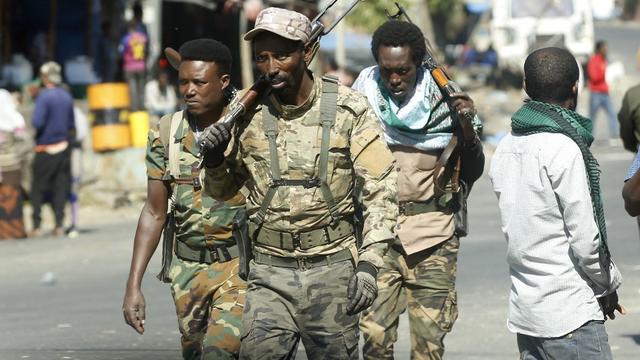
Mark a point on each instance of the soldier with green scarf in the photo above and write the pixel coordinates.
(548, 186)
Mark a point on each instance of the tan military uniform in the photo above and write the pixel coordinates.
(419, 271)
(299, 225)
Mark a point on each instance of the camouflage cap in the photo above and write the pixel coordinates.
(286, 23)
(51, 70)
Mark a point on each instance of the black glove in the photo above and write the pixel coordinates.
(609, 304)
(362, 289)
(213, 143)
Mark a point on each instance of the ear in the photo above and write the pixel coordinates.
(225, 80)
(173, 57)
(309, 51)
(575, 87)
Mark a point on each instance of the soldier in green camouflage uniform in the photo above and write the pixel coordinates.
(419, 270)
(302, 284)
(207, 291)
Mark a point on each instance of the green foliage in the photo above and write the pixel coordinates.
(441, 7)
(370, 14)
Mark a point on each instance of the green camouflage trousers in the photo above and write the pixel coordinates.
(286, 305)
(425, 284)
(209, 301)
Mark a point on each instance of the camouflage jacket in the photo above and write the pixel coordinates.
(202, 219)
(358, 158)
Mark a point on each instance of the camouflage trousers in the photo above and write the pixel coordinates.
(425, 284)
(286, 305)
(209, 301)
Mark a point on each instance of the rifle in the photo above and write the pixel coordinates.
(262, 86)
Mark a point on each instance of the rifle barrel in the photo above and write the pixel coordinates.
(353, 4)
(321, 14)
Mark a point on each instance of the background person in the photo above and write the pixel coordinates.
(629, 119)
(133, 50)
(160, 96)
(14, 147)
(600, 98)
(53, 120)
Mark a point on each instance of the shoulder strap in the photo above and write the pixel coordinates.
(173, 146)
(165, 124)
(270, 127)
(328, 110)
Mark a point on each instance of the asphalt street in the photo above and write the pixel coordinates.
(61, 298)
(75, 311)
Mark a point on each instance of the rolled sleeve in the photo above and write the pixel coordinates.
(155, 157)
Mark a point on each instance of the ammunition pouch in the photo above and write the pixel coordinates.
(168, 235)
(243, 242)
(455, 202)
(208, 255)
(303, 240)
(460, 215)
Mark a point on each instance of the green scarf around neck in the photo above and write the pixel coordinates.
(538, 117)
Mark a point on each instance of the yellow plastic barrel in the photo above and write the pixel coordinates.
(108, 105)
(139, 125)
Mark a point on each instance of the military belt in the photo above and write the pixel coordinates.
(305, 183)
(302, 263)
(303, 240)
(194, 181)
(207, 255)
(410, 208)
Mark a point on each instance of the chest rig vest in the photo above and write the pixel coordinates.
(200, 251)
(337, 227)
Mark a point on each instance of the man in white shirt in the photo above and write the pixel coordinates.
(547, 182)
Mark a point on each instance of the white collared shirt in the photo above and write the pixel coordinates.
(547, 218)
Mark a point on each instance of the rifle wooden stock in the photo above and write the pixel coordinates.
(173, 57)
(248, 100)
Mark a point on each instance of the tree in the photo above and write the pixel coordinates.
(439, 20)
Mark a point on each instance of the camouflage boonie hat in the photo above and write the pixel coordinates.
(286, 23)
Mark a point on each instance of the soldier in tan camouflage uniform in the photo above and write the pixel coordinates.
(300, 156)
(419, 270)
(207, 291)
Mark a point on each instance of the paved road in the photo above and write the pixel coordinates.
(79, 317)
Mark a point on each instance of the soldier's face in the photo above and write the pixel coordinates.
(281, 61)
(397, 71)
(201, 86)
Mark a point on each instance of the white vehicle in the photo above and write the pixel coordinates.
(519, 27)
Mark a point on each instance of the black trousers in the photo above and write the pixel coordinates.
(51, 173)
